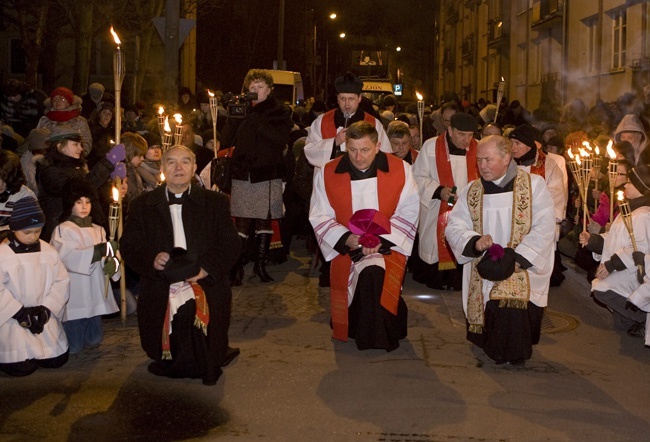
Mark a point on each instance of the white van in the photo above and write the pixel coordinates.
(287, 86)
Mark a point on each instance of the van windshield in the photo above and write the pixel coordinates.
(283, 93)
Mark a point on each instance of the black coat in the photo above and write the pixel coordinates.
(212, 238)
(51, 175)
(259, 140)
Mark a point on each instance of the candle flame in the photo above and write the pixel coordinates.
(161, 110)
(178, 118)
(620, 196)
(167, 128)
(610, 151)
(162, 176)
(210, 93)
(116, 37)
(116, 194)
(419, 95)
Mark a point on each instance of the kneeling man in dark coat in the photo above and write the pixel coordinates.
(182, 242)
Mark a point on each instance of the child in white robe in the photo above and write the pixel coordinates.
(33, 294)
(86, 253)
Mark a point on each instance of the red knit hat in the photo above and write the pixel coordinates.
(64, 92)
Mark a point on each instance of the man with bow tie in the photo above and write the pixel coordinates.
(181, 240)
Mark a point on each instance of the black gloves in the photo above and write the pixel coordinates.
(33, 318)
(639, 261)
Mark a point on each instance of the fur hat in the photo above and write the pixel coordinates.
(464, 122)
(640, 177)
(63, 92)
(96, 91)
(348, 84)
(73, 190)
(525, 134)
(26, 214)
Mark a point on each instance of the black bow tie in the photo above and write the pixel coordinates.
(173, 199)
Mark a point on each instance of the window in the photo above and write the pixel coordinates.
(619, 31)
(592, 46)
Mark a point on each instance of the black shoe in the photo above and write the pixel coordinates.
(231, 354)
(637, 330)
(211, 379)
(157, 368)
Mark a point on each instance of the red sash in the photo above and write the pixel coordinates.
(328, 128)
(339, 193)
(446, 260)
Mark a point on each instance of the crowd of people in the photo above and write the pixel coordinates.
(473, 198)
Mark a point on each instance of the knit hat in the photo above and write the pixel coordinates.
(73, 190)
(105, 105)
(348, 84)
(525, 134)
(65, 132)
(37, 138)
(464, 122)
(64, 92)
(26, 214)
(152, 139)
(640, 177)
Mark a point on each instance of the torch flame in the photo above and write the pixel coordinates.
(210, 93)
(587, 145)
(583, 153)
(116, 194)
(162, 176)
(610, 151)
(620, 196)
(569, 153)
(115, 37)
(167, 127)
(578, 162)
(503, 80)
(161, 110)
(178, 118)
(419, 95)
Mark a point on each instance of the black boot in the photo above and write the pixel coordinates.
(263, 242)
(237, 272)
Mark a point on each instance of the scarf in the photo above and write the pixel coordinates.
(446, 260)
(513, 292)
(179, 294)
(81, 222)
(61, 116)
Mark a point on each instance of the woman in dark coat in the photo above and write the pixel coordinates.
(257, 168)
(64, 160)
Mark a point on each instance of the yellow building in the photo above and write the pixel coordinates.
(546, 50)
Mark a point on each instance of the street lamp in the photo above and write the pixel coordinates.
(332, 16)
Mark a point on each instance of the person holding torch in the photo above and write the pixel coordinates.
(621, 271)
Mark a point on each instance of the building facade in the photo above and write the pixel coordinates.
(547, 51)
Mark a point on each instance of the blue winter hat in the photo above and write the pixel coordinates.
(26, 214)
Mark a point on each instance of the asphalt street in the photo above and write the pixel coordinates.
(292, 382)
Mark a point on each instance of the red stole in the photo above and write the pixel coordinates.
(446, 260)
(328, 128)
(339, 193)
(539, 168)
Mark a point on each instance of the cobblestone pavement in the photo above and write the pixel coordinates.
(293, 383)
